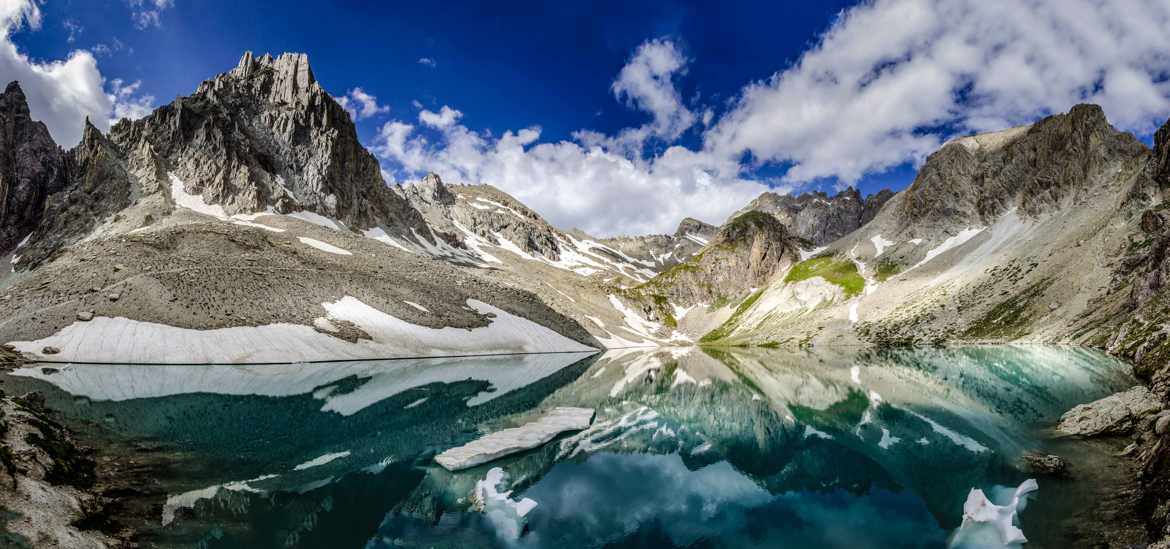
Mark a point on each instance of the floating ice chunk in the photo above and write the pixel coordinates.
(506, 514)
(321, 460)
(323, 246)
(518, 439)
(986, 524)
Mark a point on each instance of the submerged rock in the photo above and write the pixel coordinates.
(1044, 464)
(518, 439)
(1113, 415)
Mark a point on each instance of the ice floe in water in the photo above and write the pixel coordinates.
(988, 525)
(506, 514)
(518, 439)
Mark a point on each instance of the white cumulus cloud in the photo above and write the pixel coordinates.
(876, 88)
(63, 93)
(361, 105)
(445, 118)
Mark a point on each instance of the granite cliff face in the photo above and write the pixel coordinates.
(817, 217)
(32, 167)
(266, 136)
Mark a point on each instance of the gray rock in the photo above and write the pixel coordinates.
(1162, 425)
(1116, 414)
(267, 135)
(85, 316)
(518, 439)
(1044, 464)
(817, 217)
(50, 350)
(32, 167)
(666, 250)
(113, 296)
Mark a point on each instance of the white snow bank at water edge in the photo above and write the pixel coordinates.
(518, 439)
(115, 340)
(379, 379)
(988, 525)
(323, 246)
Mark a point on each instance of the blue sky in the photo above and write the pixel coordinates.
(626, 116)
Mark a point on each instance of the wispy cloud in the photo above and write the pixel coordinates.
(427, 61)
(148, 13)
(127, 102)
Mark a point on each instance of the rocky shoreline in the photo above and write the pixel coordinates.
(63, 488)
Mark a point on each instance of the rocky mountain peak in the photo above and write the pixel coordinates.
(266, 135)
(429, 191)
(286, 79)
(818, 217)
(13, 102)
(32, 167)
(973, 180)
(690, 225)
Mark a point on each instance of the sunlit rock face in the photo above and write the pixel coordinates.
(265, 135)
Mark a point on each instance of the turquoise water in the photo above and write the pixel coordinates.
(689, 448)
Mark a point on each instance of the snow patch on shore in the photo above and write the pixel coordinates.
(123, 340)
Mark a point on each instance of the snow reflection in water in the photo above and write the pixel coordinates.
(724, 448)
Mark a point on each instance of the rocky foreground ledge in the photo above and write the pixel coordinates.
(47, 481)
(1144, 417)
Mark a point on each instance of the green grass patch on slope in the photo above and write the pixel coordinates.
(886, 269)
(841, 272)
(732, 323)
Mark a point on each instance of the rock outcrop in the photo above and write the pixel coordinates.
(745, 253)
(266, 136)
(666, 250)
(1054, 163)
(820, 218)
(32, 167)
(99, 187)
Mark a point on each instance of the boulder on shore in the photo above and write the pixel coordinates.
(1116, 414)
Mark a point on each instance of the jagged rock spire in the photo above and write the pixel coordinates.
(32, 167)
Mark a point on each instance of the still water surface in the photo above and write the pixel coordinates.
(689, 447)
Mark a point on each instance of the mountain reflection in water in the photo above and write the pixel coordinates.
(690, 447)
